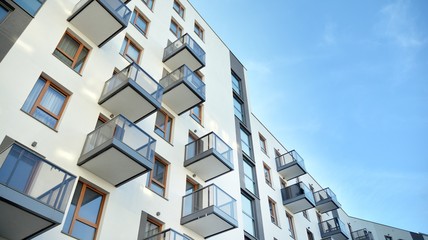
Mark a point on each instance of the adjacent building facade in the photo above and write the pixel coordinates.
(132, 120)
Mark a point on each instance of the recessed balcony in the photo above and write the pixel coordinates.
(209, 211)
(208, 157)
(118, 151)
(184, 51)
(132, 92)
(290, 165)
(325, 200)
(100, 20)
(183, 89)
(168, 234)
(334, 228)
(362, 234)
(297, 197)
(33, 193)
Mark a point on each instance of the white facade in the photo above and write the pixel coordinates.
(32, 56)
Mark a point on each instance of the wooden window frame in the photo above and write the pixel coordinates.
(165, 124)
(138, 14)
(290, 225)
(272, 210)
(165, 175)
(146, 2)
(79, 51)
(268, 177)
(79, 204)
(181, 9)
(37, 103)
(129, 41)
(201, 33)
(196, 117)
(155, 222)
(178, 26)
(263, 145)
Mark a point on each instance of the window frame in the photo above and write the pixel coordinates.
(77, 55)
(253, 216)
(26, 10)
(252, 178)
(181, 9)
(268, 177)
(249, 144)
(272, 210)
(179, 33)
(37, 103)
(263, 145)
(197, 117)
(149, 2)
(8, 10)
(201, 31)
(138, 14)
(165, 124)
(310, 235)
(78, 206)
(162, 185)
(305, 214)
(241, 110)
(155, 222)
(290, 224)
(124, 54)
(238, 85)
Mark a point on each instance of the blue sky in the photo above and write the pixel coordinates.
(345, 83)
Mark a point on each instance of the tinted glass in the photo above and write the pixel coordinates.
(3, 13)
(83, 232)
(90, 206)
(30, 6)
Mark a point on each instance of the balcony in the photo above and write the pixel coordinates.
(33, 193)
(100, 20)
(132, 92)
(209, 211)
(362, 234)
(168, 234)
(208, 157)
(290, 165)
(118, 151)
(334, 228)
(297, 197)
(184, 51)
(326, 200)
(183, 89)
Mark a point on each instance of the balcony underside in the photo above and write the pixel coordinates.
(130, 100)
(209, 222)
(326, 205)
(181, 97)
(291, 170)
(97, 22)
(183, 55)
(115, 162)
(298, 204)
(23, 217)
(335, 234)
(208, 165)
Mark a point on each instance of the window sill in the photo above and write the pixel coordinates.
(78, 73)
(53, 129)
(68, 235)
(157, 194)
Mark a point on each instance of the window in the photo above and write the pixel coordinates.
(272, 210)
(130, 51)
(236, 84)
(30, 6)
(153, 226)
(310, 235)
(290, 224)
(245, 143)
(178, 7)
(199, 31)
(266, 170)
(262, 141)
(282, 183)
(319, 217)
(149, 3)
(249, 177)
(4, 11)
(101, 120)
(305, 214)
(46, 102)
(248, 213)
(83, 217)
(277, 153)
(238, 108)
(176, 29)
(196, 113)
(191, 202)
(157, 181)
(140, 22)
(388, 237)
(71, 52)
(163, 126)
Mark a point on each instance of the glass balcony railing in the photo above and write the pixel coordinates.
(296, 191)
(290, 157)
(185, 74)
(116, 7)
(185, 42)
(125, 131)
(207, 142)
(326, 193)
(28, 173)
(362, 234)
(133, 73)
(168, 234)
(334, 227)
(207, 197)
(290, 165)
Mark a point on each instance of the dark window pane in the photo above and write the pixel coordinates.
(158, 172)
(30, 6)
(3, 13)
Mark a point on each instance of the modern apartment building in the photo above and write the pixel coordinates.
(132, 120)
